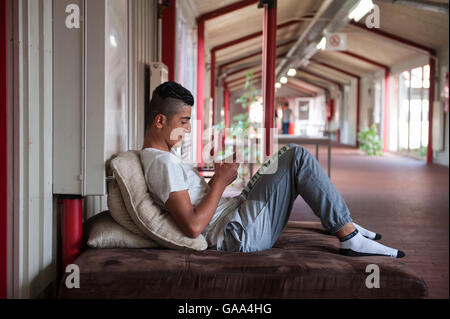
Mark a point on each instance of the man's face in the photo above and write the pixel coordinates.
(178, 126)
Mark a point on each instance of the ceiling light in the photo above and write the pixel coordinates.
(283, 80)
(361, 9)
(321, 45)
(278, 85)
(113, 41)
(291, 72)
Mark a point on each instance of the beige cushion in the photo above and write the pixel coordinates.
(103, 232)
(150, 218)
(118, 210)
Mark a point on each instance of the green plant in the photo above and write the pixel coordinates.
(250, 93)
(240, 127)
(369, 141)
(419, 152)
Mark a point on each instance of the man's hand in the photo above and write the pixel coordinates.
(192, 220)
(225, 173)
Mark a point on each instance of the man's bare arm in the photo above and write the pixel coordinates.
(192, 220)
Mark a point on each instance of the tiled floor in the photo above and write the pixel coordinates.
(403, 199)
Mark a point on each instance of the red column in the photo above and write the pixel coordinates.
(226, 103)
(213, 85)
(71, 230)
(430, 110)
(200, 86)
(386, 111)
(268, 67)
(4, 154)
(168, 38)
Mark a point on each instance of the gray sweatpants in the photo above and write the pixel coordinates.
(268, 199)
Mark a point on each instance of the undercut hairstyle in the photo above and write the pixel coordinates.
(167, 99)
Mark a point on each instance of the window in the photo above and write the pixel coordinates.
(303, 110)
(186, 75)
(413, 111)
(256, 111)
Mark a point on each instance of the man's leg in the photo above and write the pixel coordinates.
(269, 199)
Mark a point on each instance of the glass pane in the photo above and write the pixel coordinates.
(185, 74)
(256, 112)
(393, 115)
(416, 78)
(403, 111)
(426, 76)
(377, 104)
(405, 75)
(303, 110)
(415, 124)
(425, 123)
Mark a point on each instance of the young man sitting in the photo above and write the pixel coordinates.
(254, 220)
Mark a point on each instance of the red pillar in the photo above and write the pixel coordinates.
(71, 230)
(200, 86)
(169, 19)
(268, 67)
(213, 85)
(226, 103)
(430, 110)
(386, 111)
(4, 154)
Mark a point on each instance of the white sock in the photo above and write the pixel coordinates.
(358, 245)
(367, 233)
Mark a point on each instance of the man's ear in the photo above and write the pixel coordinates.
(160, 120)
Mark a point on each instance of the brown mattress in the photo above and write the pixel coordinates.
(304, 263)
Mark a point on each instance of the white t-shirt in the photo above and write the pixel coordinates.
(165, 172)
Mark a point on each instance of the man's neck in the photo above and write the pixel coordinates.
(153, 141)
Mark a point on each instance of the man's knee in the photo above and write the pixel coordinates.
(299, 150)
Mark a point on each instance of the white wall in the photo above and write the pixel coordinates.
(143, 49)
(10, 63)
(367, 101)
(442, 157)
(33, 212)
(348, 134)
(143, 37)
(33, 228)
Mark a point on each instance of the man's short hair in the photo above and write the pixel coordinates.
(167, 99)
